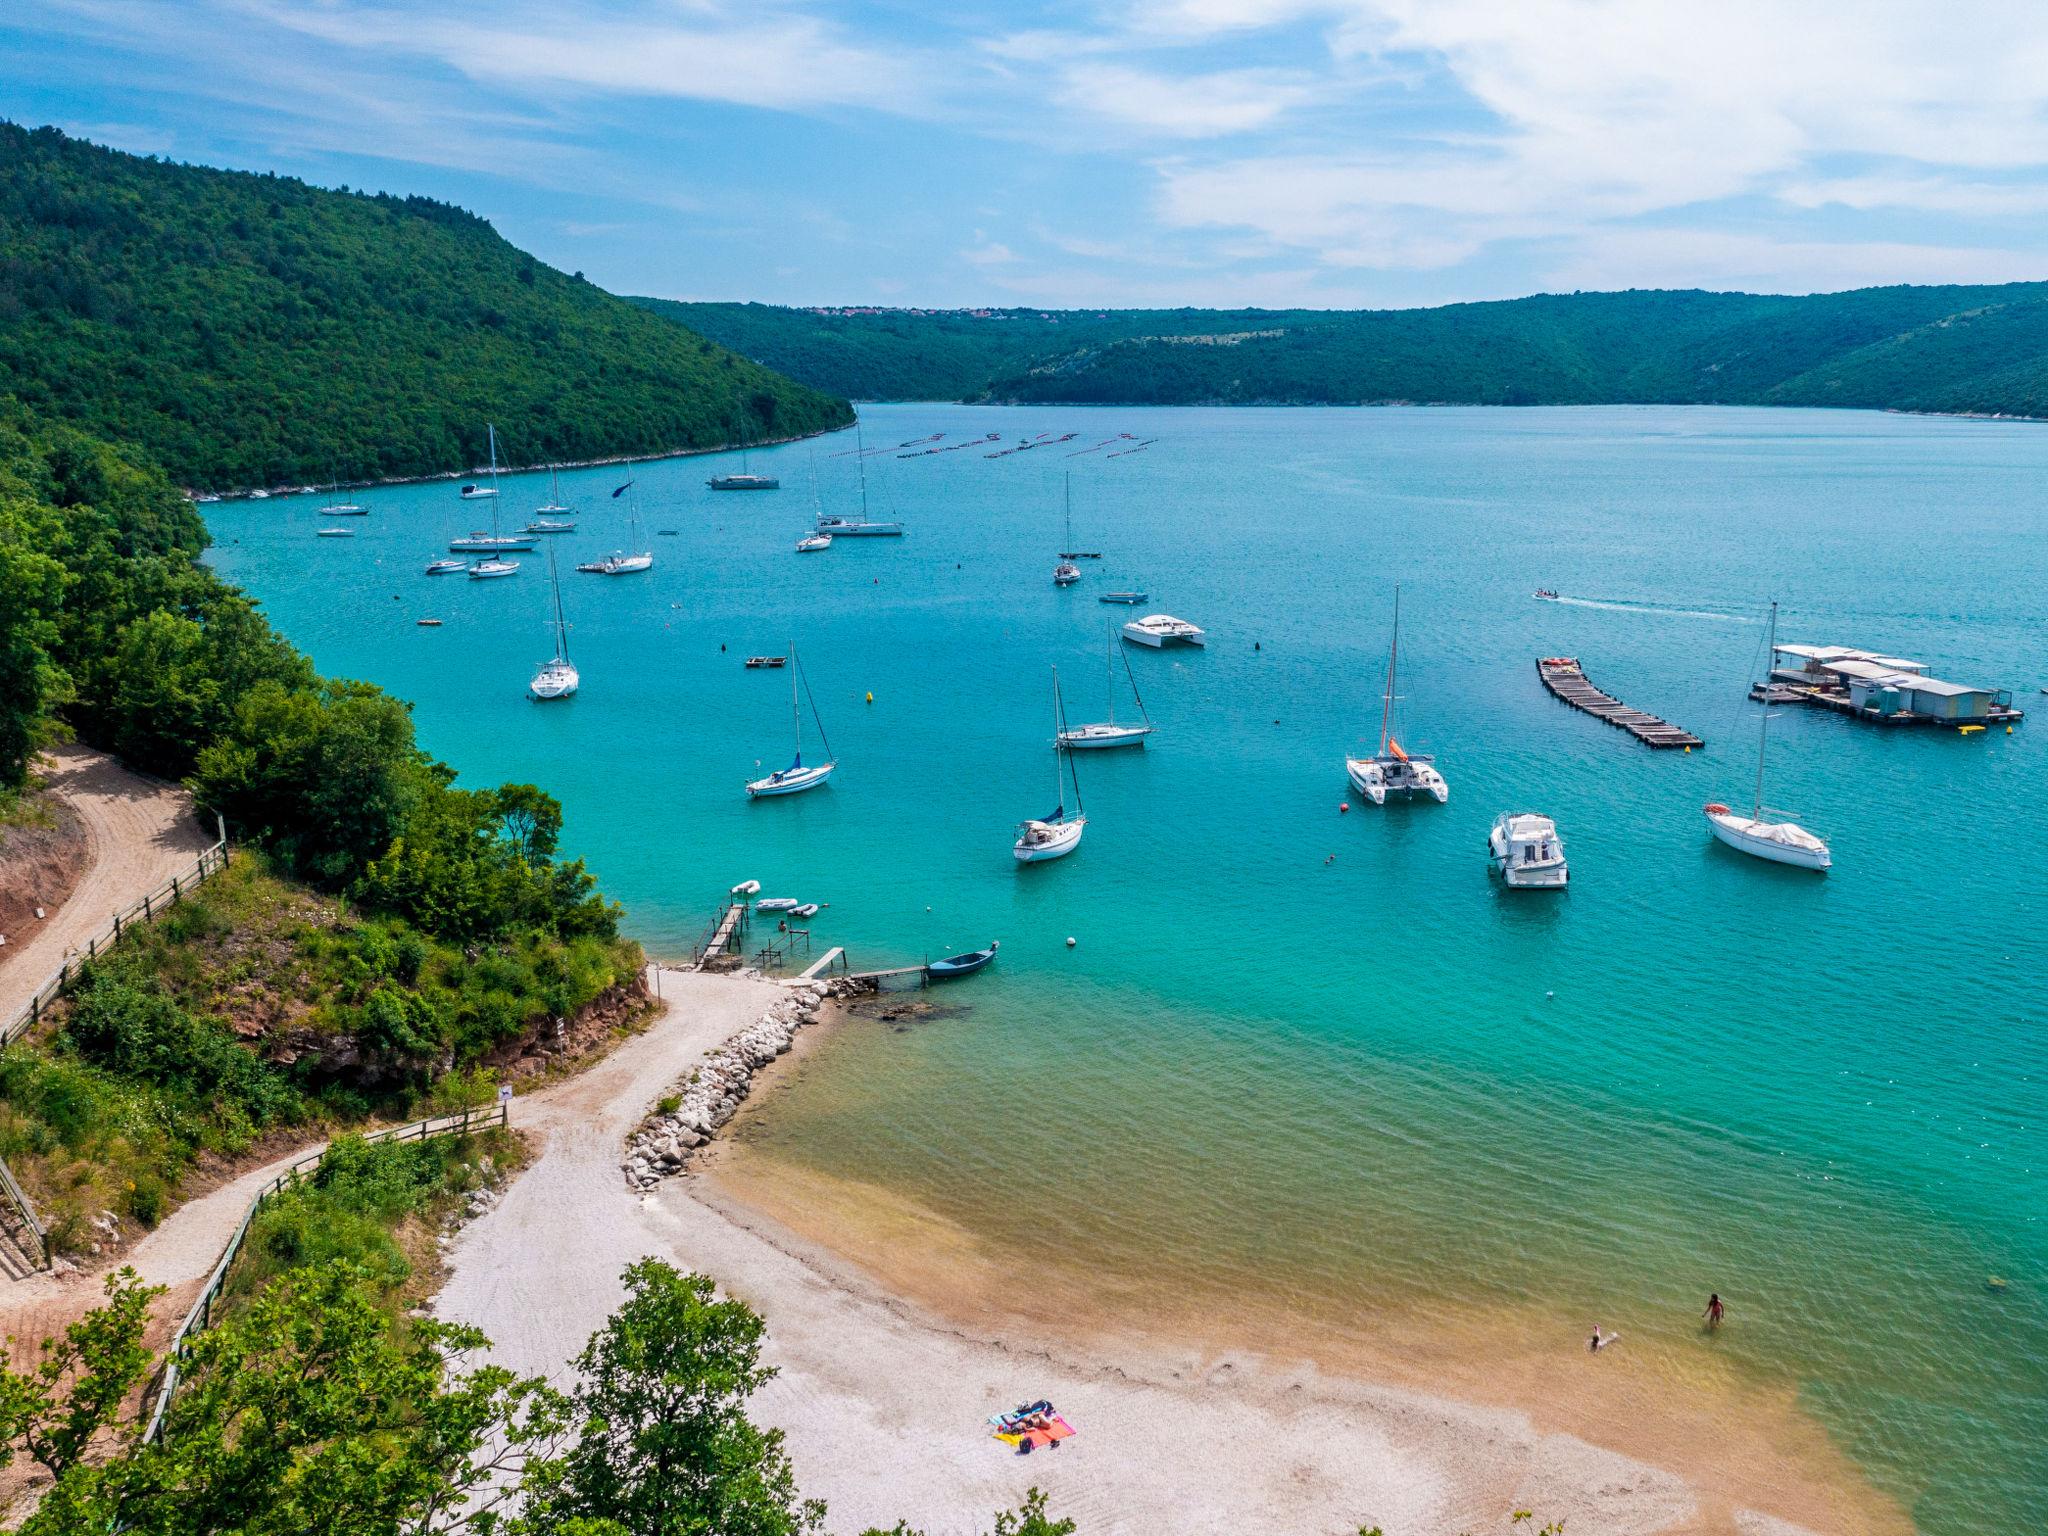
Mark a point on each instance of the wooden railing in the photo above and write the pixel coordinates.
(165, 1385)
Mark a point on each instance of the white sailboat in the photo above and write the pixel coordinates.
(628, 561)
(1111, 733)
(554, 501)
(493, 546)
(859, 527)
(799, 775)
(1391, 770)
(1066, 573)
(557, 678)
(339, 506)
(1057, 835)
(1781, 842)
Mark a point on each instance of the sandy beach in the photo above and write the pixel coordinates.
(883, 1386)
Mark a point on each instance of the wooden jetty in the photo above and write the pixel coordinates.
(725, 937)
(1563, 677)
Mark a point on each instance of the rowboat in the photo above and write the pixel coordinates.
(961, 965)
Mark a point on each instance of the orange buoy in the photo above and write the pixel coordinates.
(1343, 807)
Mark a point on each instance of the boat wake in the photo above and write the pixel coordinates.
(1618, 606)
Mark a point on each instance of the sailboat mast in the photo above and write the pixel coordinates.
(796, 714)
(491, 432)
(1069, 537)
(1763, 728)
(860, 457)
(561, 623)
(1109, 668)
(1393, 657)
(1059, 725)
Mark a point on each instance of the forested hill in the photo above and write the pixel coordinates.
(254, 330)
(1982, 349)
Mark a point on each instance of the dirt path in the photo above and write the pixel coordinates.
(140, 831)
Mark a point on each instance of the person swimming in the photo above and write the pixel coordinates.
(1600, 1340)
(1715, 1311)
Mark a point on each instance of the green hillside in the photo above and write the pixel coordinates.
(254, 330)
(1933, 349)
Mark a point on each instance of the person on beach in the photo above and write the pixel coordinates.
(1600, 1340)
(1715, 1311)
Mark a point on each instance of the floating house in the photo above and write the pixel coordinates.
(1888, 689)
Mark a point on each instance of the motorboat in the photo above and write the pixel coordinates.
(744, 483)
(487, 570)
(1130, 599)
(1546, 594)
(747, 888)
(961, 965)
(428, 623)
(557, 677)
(1056, 835)
(858, 528)
(1163, 629)
(767, 661)
(1781, 842)
(337, 533)
(813, 543)
(799, 775)
(550, 525)
(777, 904)
(1525, 851)
(1111, 732)
(1393, 770)
(478, 492)
(446, 567)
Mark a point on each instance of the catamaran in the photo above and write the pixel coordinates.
(557, 678)
(493, 543)
(799, 775)
(1057, 835)
(1391, 770)
(1782, 842)
(1084, 738)
(1160, 630)
(1066, 573)
(624, 562)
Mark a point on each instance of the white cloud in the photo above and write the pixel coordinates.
(1184, 106)
(1691, 258)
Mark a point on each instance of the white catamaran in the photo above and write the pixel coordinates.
(1782, 842)
(799, 775)
(1111, 733)
(1390, 770)
(1057, 835)
(557, 678)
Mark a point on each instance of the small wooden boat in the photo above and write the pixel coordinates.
(428, 623)
(767, 661)
(961, 965)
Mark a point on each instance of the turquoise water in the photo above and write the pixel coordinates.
(1292, 1047)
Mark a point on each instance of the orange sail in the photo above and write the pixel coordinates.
(1394, 747)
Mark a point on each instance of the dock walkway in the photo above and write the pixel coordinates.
(725, 937)
(1563, 676)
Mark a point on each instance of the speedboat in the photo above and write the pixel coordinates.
(337, 533)
(446, 567)
(767, 661)
(813, 543)
(478, 492)
(1526, 852)
(1128, 598)
(961, 965)
(1546, 594)
(1392, 770)
(486, 570)
(744, 483)
(1163, 629)
(777, 904)
(1782, 842)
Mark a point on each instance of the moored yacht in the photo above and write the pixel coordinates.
(1781, 842)
(812, 543)
(491, 568)
(1066, 573)
(744, 483)
(1163, 629)
(446, 567)
(557, 677)
(1392, 770)
(1111, 732)
(1525, 851)
(1056, 835)
(799, 775)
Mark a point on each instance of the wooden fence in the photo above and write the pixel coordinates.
(165, 1385)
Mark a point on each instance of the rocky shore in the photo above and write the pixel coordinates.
(711, 1096)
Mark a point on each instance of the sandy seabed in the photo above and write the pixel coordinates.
(895, 1335)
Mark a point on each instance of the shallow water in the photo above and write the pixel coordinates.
(1320, 1056)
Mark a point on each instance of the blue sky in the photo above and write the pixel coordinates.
(1329, 153)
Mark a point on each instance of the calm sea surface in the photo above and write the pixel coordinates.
(1291, 1047)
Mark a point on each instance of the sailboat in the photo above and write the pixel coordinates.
(1057, 835)
(1782, 842)
(798, 776)
(547, 519)
(340, 507)
(1391, 770)
(624, 562)
(557, 678)
(859, 527)
(1109, 733)
(744, 481)
(492, 545)
(1066, 573)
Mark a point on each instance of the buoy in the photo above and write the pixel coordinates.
(1255, 645)
(721, 648)
(1343, 807)
(1550, 994)
(1688, 751)
(871, 695)
(1070, 941)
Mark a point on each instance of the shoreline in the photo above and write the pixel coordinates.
(281, 492)
(881, 1394)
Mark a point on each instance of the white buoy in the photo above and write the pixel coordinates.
(1070, 941)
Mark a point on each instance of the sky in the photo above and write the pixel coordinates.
(1228, 153)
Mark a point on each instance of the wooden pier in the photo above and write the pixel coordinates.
(1563, 677)
(725, 937)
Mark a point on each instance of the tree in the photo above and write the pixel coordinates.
(57, 1410)
(1028, 1519)
(665, 1446)
(308, 1411)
